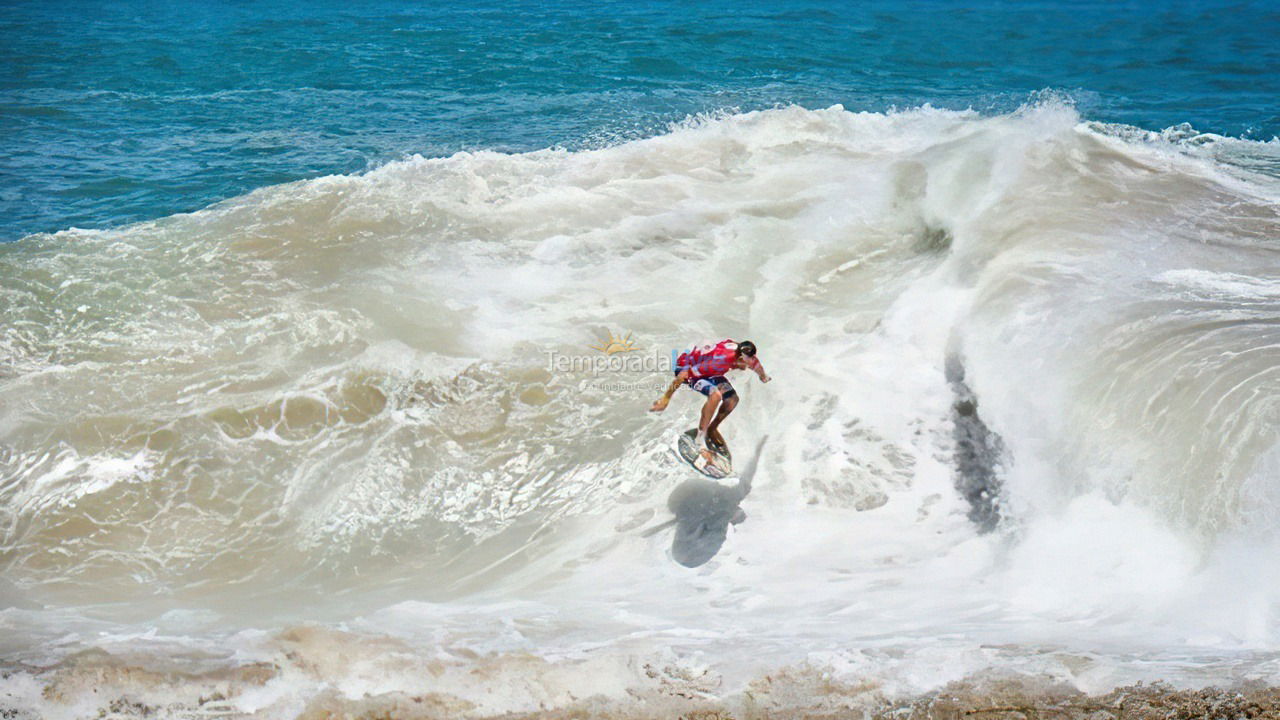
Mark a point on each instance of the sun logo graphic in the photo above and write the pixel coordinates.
(615, 345)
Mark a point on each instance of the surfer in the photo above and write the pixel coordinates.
(703, 368)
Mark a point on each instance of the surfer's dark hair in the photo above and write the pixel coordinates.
(748, 348)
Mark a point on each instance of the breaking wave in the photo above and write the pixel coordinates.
(1024, 415)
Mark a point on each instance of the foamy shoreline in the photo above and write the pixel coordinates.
(94, 685)
(315, 672)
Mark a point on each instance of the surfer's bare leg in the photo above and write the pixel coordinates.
(709, 409)
(726, 407)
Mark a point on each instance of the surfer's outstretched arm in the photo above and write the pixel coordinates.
(661, 403)
(758, 368)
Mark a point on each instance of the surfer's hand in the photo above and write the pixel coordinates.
(659, 405)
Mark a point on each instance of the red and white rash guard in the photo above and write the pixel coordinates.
(712, 360)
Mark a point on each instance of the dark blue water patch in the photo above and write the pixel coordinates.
(114, 112)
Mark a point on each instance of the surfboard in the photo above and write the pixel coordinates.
(720, 465)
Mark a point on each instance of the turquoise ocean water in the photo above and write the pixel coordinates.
(112, 112)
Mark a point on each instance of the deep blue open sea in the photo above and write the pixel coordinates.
(112, 112)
